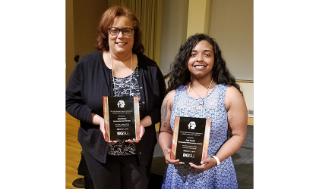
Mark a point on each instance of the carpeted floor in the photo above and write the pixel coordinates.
(243, 162)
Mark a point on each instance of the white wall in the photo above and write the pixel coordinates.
(248, 91)
(231, 25)
(174, 28)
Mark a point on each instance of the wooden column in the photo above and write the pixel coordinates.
(198, 16)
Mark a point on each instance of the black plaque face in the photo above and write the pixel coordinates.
(190, 139)
(121, 118)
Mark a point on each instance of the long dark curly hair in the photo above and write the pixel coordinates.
(179, 73)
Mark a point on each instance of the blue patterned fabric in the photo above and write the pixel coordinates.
(127, 86)
(218, 177)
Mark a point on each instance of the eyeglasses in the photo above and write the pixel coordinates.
(116, 31)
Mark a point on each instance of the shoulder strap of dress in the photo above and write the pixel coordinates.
(222, 93)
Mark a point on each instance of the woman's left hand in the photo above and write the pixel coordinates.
(145, 122)
(141, 134)
(206, 164)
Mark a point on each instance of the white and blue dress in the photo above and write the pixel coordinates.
(217, 177)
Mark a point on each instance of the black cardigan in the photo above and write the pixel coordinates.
(90, 80)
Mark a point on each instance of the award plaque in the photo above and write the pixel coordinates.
(190, 139)
(121, 118)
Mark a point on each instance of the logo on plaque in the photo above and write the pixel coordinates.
(191, 125)
(121, 104)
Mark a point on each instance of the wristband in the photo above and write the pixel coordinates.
(165, 150)
(217, 160)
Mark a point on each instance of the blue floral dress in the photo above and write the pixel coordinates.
(217, 177)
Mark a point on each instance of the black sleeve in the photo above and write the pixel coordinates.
(74, 103)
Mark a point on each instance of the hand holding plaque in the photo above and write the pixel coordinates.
(142, 131)
(121, 118)
(190, 139)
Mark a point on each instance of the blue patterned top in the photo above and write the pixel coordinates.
(217, 177)
(127, 86)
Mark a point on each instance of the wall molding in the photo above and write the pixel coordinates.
(244, 81)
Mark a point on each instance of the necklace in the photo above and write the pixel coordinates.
(203, 100)
(113, 76)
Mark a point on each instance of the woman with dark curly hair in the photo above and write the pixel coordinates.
(200, 86)
(118, 68)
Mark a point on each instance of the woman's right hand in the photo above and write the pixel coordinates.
(98, 120)
(167, 155)
(102, 129)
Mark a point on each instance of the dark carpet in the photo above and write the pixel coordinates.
(243, 161)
